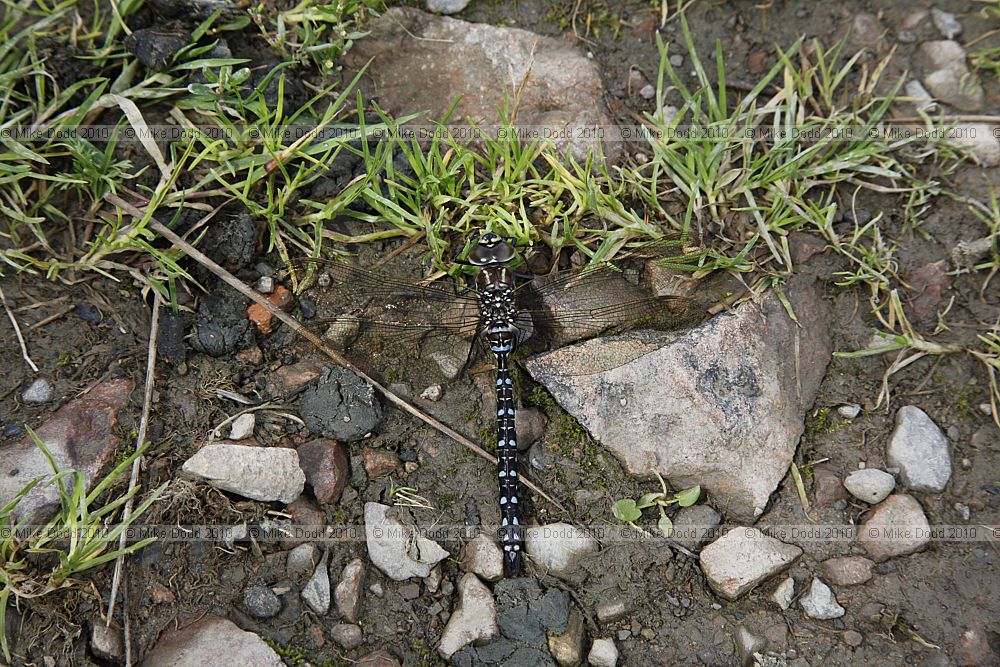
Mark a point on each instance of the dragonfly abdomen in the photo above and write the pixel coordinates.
(510, 515)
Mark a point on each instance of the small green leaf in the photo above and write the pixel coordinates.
(665, 525)
(626, 510)
(648, 500)
(688, 497)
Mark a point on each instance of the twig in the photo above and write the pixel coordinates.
(17, 332)
(297, 327)
(147, 399)
(52, 318)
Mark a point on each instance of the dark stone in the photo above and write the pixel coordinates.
(341, 406)
(192, 9)
(261, 601)
(88, 313)
(308, 308)
(155, 47)
(325, 465)
(222, 326)
(170, 341)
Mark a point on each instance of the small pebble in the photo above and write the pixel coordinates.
(13, 430)
(376, 590)
(88, 313)
(946, 23)
(852, 638)
(849, 410)
(433, 393)
(265, 284)
(906, 37)
(261, 601)
(242, 427)
(986, 409)
(647, 92)
(966, 463)
(963, 511)
(308, 308)
(40, 391)
(677, 60)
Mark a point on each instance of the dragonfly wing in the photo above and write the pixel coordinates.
(601, 301)
(366, 303)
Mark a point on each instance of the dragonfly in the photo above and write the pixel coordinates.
(500, 311)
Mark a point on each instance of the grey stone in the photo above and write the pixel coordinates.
(603, 653)
(316, 592)
(261, 601)
(341, 406)
(896, 527)
(870, 485)
(422, 62)
(80, 435)
(919, 97)
(720, 405)
(849, 410)
(242, 427)
(784, 593)
(261, 473)
(847, 571)
(483, 557)
(694, 525)
(301, 561)
(979, 140)
(647, 92)
(211, 641)
(446, 6)
(743, 558)
(558, 547)
(946, 23)
(347, 635)
(747, 643)
(947, 76)
(395, 548)
(919, 449)
(449, 365)
(820, 602)
(39, 391)
(474, 619)
(347, 595)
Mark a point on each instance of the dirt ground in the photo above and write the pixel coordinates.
(937, 593)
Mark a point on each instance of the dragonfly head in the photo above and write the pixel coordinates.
(491, 249)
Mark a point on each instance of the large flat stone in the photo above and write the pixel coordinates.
(211, 641)
(743, 558)
(721, 405)
(261, 473)
(80, 435)
(421, 62)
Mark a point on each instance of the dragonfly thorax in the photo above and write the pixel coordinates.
(491, 250)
